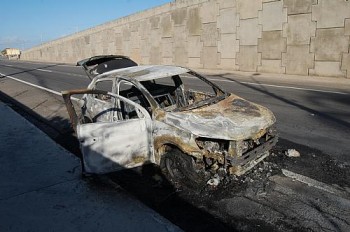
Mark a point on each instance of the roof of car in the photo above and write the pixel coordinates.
(145, 72)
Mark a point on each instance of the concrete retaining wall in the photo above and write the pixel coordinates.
(303, 37)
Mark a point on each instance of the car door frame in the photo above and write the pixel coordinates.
(77, 125)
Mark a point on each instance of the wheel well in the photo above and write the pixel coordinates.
(168, 147)
(179, 166)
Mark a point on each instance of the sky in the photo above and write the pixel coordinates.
(27, 23)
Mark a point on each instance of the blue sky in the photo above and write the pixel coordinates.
(26, 23)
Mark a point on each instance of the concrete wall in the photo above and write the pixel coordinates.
(303, 37)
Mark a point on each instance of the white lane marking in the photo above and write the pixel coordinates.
(53, 71)
(8, 65)
(36, 86)
(59, 72)
(33, 85)
(69, 65)
(32, 62)
(58, 64)
(316, 184)
(70, 74)
(44, 70)
(281, 86)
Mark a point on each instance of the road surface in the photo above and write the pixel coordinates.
(282, 194)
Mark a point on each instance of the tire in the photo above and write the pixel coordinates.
(180, 168)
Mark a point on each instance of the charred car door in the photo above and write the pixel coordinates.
(115, 145)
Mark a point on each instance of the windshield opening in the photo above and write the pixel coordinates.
(183, 92)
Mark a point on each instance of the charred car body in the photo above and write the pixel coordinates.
(167, 115)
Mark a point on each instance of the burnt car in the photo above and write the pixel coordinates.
(170, 116)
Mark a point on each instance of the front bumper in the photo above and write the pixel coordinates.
(241, 164)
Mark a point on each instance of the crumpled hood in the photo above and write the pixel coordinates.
(231, 119)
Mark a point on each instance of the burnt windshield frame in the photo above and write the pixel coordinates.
(219, 95)
(218, 91)
(202, 103)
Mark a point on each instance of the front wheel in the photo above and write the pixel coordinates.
(180, 168)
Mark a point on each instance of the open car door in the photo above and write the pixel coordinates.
(113, 145)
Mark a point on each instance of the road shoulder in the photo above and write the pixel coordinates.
(42, 189)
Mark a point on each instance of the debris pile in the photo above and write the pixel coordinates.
(215, 181)
(261, 173)
(292, 153)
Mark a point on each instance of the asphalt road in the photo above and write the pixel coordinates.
(314, 117)
(313, 120)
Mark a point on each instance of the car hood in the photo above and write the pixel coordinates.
(231, 119)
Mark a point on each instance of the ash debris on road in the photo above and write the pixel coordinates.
(292, 153)
(265, 200)
(312, 163)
